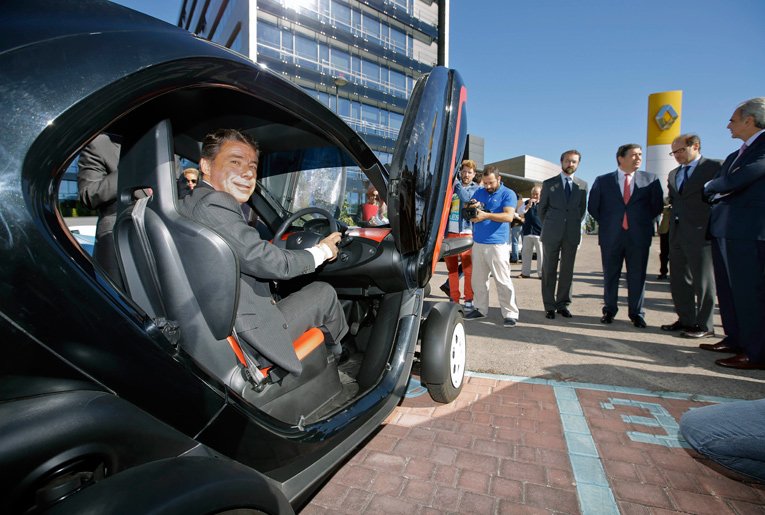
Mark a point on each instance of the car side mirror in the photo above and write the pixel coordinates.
(452, 246)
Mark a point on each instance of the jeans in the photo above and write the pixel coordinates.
(731, 434)
(515, 238)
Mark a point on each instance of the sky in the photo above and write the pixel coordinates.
(545, 76)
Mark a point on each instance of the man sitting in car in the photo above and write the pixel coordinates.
(229, 162)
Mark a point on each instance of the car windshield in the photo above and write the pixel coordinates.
(315, 177)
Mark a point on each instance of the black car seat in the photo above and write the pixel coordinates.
(186, 277)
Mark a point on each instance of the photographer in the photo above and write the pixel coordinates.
(491, 252)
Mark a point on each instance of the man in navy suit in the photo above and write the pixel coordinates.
(737, 228)
(625, 204)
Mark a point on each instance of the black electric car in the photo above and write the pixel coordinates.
(137, 398)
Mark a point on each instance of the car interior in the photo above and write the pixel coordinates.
(185, 278)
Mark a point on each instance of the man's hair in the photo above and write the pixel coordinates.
(491, 170)
(572, 151)
(624, 149)
(469, 163)
(754, 107)
(213, 141)
(689, 139)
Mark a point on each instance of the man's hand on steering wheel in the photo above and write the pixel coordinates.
(331, 242)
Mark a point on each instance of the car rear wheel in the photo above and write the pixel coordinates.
(443, 352)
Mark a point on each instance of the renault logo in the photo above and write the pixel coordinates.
(665, 117)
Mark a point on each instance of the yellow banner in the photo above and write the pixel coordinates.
(664, 117)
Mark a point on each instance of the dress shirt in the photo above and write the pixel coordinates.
(622, 173)
(564, 177)
(690, 168)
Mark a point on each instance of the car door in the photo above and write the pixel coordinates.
(428, 150)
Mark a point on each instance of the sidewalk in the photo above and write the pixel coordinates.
(537, 447)
(556, 416)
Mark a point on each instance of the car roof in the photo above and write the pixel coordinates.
(27, 22)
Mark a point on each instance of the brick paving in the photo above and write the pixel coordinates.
(500, 448)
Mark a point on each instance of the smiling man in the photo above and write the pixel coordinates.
(229, 162)
(625, 204)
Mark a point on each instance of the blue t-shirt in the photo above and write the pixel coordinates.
(489, 232)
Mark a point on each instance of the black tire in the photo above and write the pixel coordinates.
(180, 485)
(443, 352)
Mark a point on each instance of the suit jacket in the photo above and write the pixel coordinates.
(97, 180)
(259, 322)
(607, 206)
(561, 217)
(689, 214)
(740, 214)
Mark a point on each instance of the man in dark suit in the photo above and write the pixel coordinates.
(692, 280)
(562, 205)
(97, 185)
(737, 228)
(229, 163)
(625, 204)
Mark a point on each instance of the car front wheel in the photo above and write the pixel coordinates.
(443, 352)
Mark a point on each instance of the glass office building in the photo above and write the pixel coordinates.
(359, 58)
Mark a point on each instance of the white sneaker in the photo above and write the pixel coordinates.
(469, 305)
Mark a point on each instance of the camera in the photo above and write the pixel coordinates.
(470, 211)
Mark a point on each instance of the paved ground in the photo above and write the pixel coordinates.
(563, 416)
(582, 349)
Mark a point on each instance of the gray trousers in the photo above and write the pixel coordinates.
(565, 252)
(315, 305)
(692, 283)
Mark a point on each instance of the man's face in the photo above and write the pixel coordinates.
(739, 127)
(466, 175)
(233, 170)
(569, 164)
(631, 160)
(684, 154)
(191, 180)
(491, 182)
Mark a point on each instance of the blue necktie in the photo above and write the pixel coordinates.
(683, 175)
(568, 188)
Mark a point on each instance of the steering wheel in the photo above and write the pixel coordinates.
(302, 239)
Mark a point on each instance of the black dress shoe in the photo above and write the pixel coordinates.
(740, 361)
(722, 346)
(638, 321)
(675, 326)
(661, 276)
(550, 314)
(607, 318)
(565, 313)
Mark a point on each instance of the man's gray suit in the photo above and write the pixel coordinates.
(607, 207)
(262, 322)
(97, 185)
(561, 235)
(692, 280)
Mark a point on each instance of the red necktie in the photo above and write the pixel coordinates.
(626, 225)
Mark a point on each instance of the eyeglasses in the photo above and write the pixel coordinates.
(678, 151)
(191, 181)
